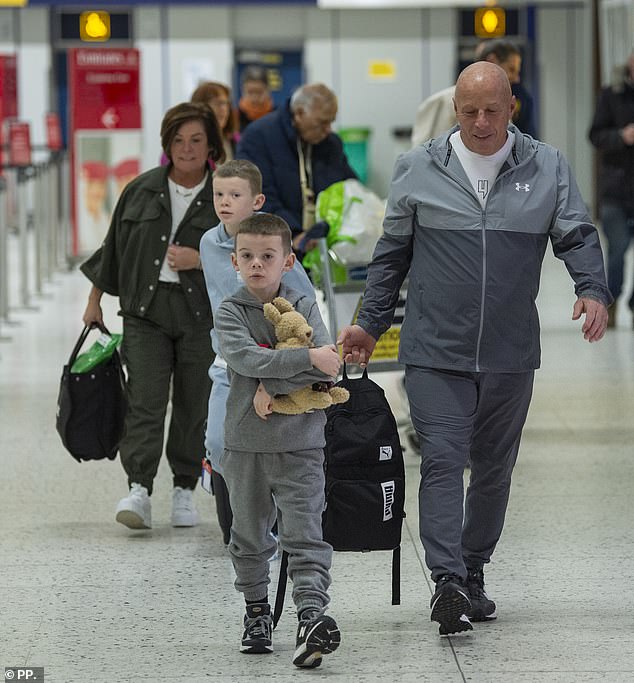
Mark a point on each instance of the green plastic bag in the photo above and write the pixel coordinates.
(330, 208)
(99, 352)
(355, 216)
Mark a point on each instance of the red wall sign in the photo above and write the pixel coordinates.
(8, 97)
(105, 136)
(19, 144)
(104, 86)
(53, 131)
(8, 87)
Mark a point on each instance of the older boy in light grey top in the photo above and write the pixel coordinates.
(274, 461)
(237, 187)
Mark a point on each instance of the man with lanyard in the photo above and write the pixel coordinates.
(299, 156)
(469, 217)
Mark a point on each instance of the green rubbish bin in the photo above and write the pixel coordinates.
(355, 145)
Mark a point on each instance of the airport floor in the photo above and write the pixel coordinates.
(93, 602)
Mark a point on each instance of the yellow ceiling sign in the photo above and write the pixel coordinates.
(490, 22)
(13, 3)
(383, 70)
(94, 26)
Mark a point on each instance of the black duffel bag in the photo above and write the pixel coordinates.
(92, 405)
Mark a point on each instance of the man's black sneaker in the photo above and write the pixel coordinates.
(482, 607)
(258, 629)
(450, 605)
(315, 637)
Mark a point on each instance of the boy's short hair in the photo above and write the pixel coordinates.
(266, 224)
(241, 168)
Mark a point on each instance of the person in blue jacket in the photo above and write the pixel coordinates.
(298, 154)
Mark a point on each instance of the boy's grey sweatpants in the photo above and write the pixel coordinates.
(291, 486)
(461, 417)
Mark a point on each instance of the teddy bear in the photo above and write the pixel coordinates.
(293, 332)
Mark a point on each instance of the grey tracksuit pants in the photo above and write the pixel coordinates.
(290, 485)
(461, 416)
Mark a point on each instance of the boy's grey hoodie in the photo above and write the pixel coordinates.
(247, 343)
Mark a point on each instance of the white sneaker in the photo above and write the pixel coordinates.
(135, 510)
(183, 510)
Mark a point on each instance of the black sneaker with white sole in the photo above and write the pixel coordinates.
(482, 607)
(258, 630)
(315, 637)
(450, 605)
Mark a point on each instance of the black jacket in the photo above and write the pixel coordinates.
(129, 261)
(271, 144)
(615, 109)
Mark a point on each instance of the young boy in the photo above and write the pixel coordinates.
(237, 192)
(273, 461)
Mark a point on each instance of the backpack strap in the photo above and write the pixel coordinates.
(345, 373)
(281, 589)
(396, 576)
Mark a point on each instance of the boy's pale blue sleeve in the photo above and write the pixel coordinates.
(298, 279)
(205, 261)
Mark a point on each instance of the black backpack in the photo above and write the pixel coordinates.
(365, 478)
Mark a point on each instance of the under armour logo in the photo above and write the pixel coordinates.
(525, 187)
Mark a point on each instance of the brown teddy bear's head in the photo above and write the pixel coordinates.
(291, 328)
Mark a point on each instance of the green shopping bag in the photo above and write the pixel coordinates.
(98, 353)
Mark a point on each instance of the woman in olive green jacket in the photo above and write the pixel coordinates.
(150, 260)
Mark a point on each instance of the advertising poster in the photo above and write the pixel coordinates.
(106, 137)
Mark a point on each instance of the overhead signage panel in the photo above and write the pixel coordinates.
(411, 4)
(90, 4)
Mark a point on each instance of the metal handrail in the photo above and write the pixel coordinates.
(34, 209)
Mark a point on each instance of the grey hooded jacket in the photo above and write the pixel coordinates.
(247, 343)
(474, 273)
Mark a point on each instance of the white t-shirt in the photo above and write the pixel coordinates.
(180, 199)
(481, 170)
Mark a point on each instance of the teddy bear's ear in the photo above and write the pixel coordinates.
(282, 305)
(271, 313)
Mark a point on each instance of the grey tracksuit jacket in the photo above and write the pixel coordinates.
(247, 343)
(473, 272)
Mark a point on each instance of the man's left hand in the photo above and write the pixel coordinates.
(596, 317)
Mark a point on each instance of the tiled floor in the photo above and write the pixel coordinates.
(93, 602)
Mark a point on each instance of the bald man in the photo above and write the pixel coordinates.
(468, 219)
(298, 155)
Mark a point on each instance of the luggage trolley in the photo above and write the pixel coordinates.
(342, 304)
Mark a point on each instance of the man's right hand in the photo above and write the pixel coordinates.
(357, 345)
